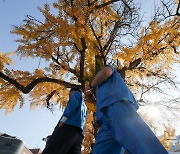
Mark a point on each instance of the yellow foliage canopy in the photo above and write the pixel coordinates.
(72, 37)
(5, 59)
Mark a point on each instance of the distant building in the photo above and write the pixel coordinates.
(12, 145)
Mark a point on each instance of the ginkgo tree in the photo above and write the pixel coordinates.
(70, 41)
(78, 37)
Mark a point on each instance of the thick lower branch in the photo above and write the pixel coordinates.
(29, 87)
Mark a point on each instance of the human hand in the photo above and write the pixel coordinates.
(88, 90)
(60, 124)
(89, 94)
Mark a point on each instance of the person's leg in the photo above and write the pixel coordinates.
(105, 143)
(51, 138)
(70, 139)
(76, 148)
(107, 147)
(127, 128)
(62, 141)
(53, 142)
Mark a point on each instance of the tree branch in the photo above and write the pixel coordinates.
(177, 11)
(29, 87)
(105, 4)
(112, 36)
(135, 63)
(64, 67)
(169, 12)
(82, 58)
(96, 37)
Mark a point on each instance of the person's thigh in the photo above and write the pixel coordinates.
(70, 138)
(107, 147)
(62, 141)
(55, 141)
(76, 148)
(127, 128)
(105, 142)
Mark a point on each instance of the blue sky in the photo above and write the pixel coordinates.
(29, 125)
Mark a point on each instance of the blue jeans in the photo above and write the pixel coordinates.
(122, 127)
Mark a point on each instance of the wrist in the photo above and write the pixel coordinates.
(63, 119)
